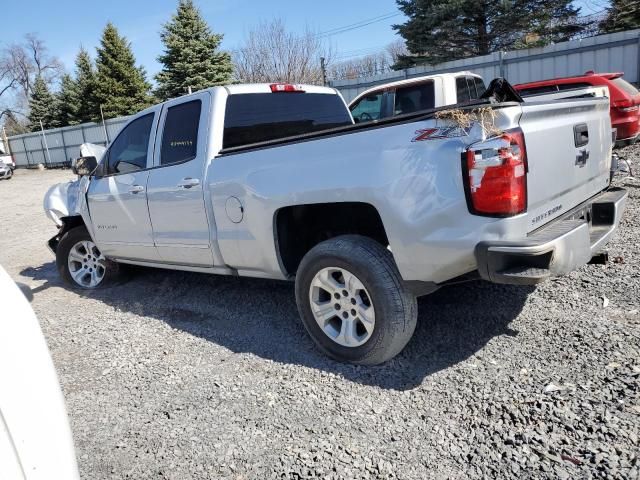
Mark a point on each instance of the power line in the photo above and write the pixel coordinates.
(359, 52)
(360, 24)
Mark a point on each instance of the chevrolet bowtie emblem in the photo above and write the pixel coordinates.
(581, 158)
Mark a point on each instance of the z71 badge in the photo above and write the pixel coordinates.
(437, 133)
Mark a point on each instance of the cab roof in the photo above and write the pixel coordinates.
(408, 81)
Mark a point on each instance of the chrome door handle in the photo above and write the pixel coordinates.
(189, 182)
(136, 189)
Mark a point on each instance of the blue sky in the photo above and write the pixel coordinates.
(66, 24)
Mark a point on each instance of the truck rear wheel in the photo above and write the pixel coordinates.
(81, 264)
(352, 300)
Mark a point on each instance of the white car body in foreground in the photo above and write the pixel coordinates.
(35, 438)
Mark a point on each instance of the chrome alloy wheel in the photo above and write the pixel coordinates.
(87, 265)
(342, 307)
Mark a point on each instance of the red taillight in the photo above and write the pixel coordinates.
(285, 88)
(496, 172)
(625, 105)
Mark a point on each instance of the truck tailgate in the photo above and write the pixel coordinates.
(569, 155)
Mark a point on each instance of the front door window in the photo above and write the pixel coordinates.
(128, 153)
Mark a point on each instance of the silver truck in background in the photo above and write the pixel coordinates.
(275, 181)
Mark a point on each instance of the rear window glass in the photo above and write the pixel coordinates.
(572, 86)
(414, 98)
(538, 90)
(625, 86)
(259, 117)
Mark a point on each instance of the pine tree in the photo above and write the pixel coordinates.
(88, 109)
(68, 102)
(443, 30)
(621, 15)
(191, 57)
(43, 106)
(120, 87)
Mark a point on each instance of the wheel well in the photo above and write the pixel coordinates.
(69, 223)
(299, 228)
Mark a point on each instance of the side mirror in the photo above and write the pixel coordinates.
(84, 165)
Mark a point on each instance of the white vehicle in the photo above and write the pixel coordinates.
(275, 181)
(6, 172)
(5, 158)
(415, 94)
(35, 438)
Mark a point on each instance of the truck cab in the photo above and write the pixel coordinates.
(415, 94)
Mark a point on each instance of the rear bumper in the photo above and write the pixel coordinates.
(556, 249)
(627, 130)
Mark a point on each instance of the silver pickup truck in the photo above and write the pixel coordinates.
(276, 181)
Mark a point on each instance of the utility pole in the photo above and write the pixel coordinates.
(5, 141)
(189, 90)
(44, 137)
(323, 67)
(104, 126)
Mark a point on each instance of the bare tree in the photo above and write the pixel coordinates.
(366, 66)
(369, 65)
(396, 49)
(20, 65)
(272, 54)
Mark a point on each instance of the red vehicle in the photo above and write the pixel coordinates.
(625, 98)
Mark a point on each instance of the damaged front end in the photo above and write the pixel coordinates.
(65, 204)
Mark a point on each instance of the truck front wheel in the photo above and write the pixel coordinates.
(352, 300)
(80, 262)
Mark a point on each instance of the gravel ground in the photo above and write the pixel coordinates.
(179, 376)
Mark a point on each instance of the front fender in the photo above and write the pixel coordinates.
(61, 201)
(66, 205)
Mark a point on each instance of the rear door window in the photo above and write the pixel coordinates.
(414, 98)
(259, 117)
(180, 134)
(480, 87)
(462, 90)
(368, 108)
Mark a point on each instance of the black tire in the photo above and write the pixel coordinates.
(396, 309)
(113, 271)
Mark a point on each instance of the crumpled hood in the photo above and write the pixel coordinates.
(63, 199)
(66, 199)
